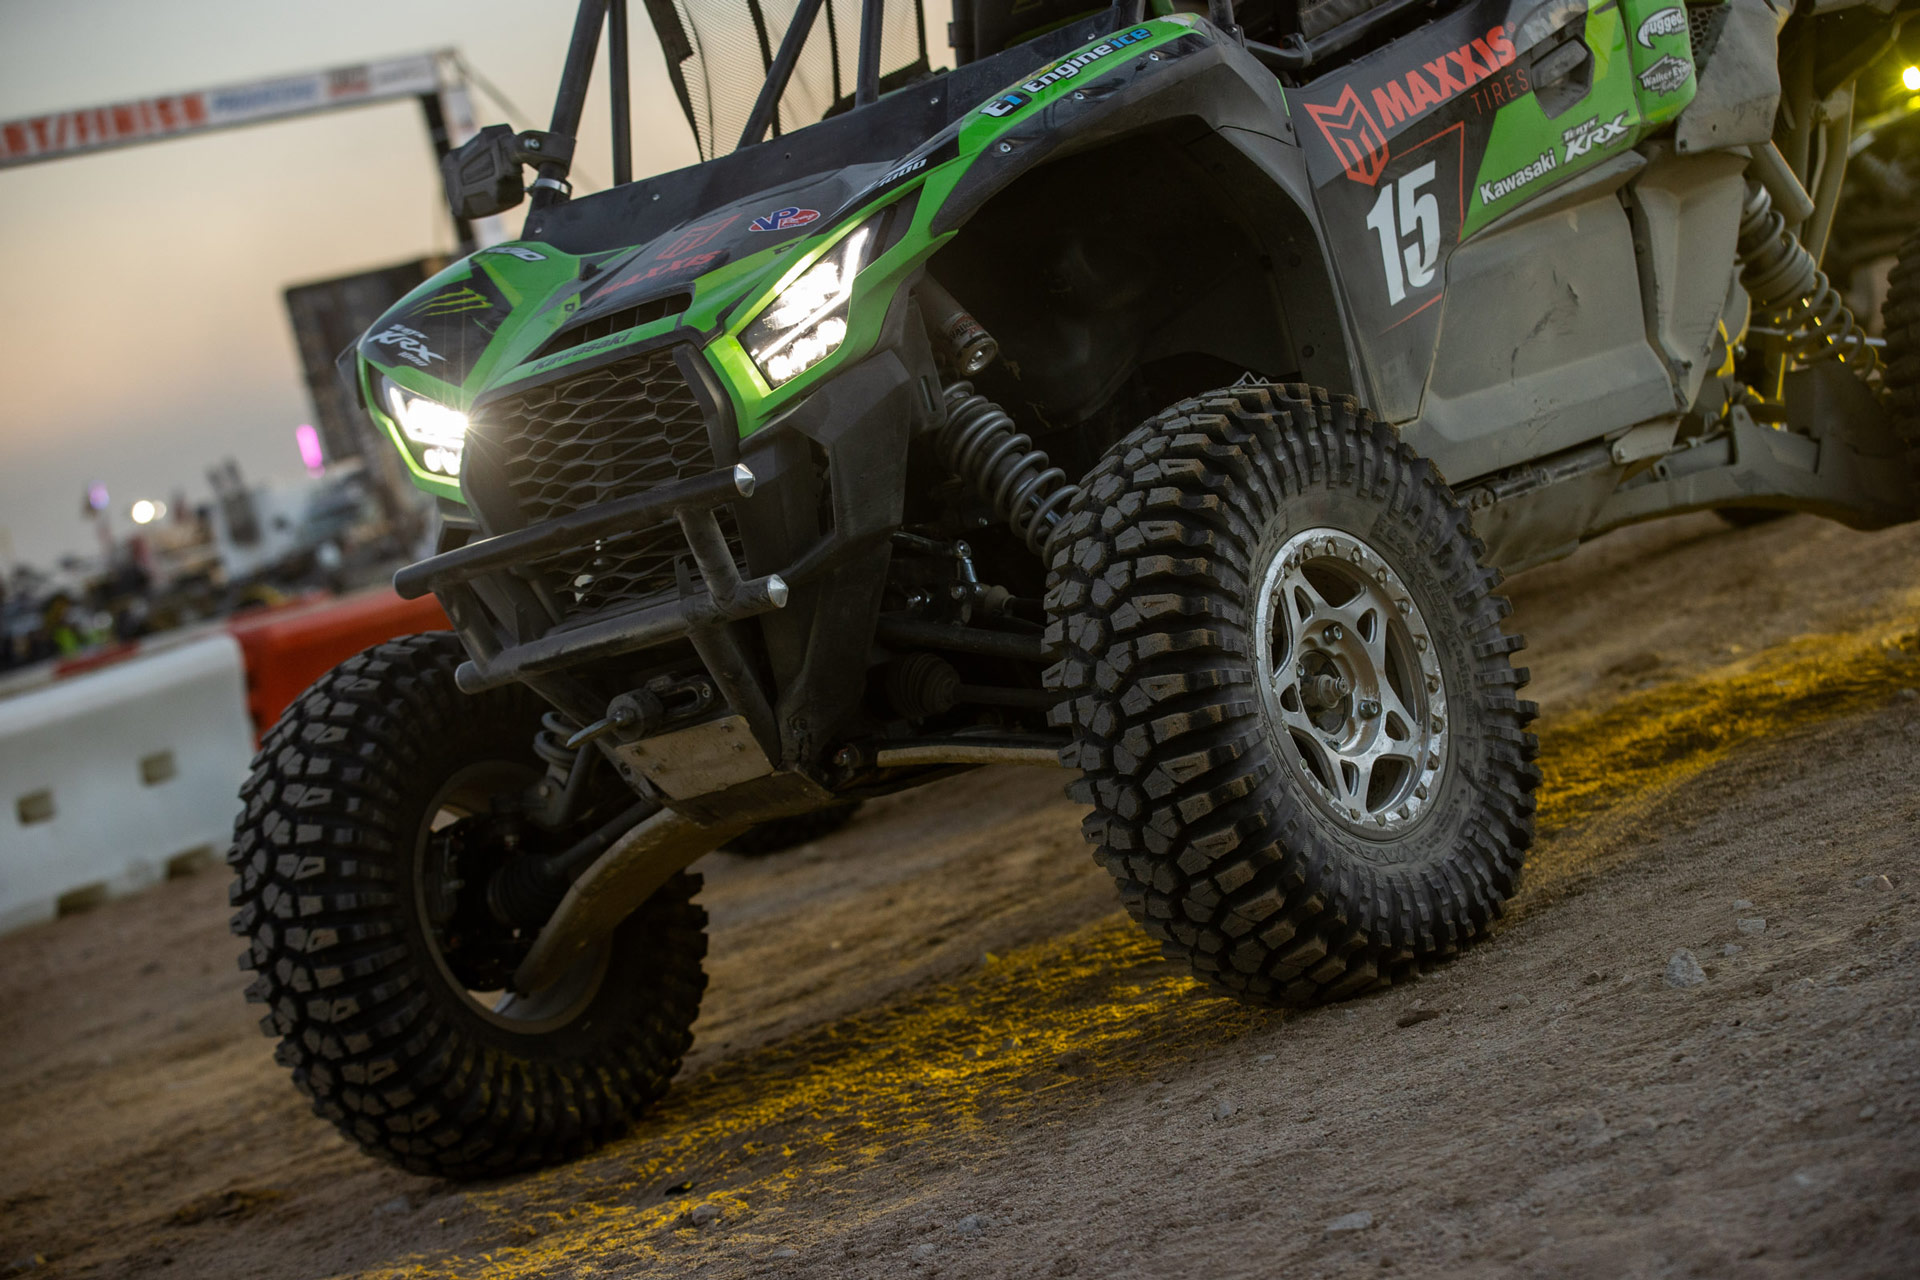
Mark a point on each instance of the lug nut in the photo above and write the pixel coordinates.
(1334, 633)
(1368, 708)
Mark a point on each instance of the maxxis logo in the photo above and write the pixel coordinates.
(1661, 22)
(1354, 136)
(1357, 134)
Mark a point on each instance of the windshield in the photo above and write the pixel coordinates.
(719, 53)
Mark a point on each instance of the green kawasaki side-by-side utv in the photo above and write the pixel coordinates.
(1158, 394)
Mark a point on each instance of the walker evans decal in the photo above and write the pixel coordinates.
(1666, 75)
(1075, 65)
(1592, 134)
(1663, 22)
(1359, 140)
(1499, 187)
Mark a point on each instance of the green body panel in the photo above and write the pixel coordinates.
(730, 297)
(1617, 111)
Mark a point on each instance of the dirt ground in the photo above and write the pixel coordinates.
(932, 1047)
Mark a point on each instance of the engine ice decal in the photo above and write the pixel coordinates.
(1079, 62)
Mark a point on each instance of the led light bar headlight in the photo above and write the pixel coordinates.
(807, 321)
(440, 432)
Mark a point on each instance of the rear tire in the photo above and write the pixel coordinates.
(368, 945)
(1227, 570)
(1900, 318)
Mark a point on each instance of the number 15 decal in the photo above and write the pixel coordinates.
(1407, 221)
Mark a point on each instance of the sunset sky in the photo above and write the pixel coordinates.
(142, 336)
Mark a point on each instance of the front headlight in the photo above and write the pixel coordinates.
(807, 321)
(440, 432)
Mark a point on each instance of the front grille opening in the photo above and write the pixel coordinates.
(611, 433)
(618, 321)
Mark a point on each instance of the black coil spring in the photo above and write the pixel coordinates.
(550, 744)
(983, 447)
(1788, 285)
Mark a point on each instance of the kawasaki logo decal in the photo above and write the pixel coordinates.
(1499, 187)
(1587, 136)
(516, 251)
(1661, 22)
(1666, 75)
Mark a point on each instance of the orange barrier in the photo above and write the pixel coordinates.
(290, 647)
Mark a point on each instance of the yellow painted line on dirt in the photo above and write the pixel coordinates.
(1050, 1025)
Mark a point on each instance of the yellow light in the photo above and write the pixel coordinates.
(1911, 79)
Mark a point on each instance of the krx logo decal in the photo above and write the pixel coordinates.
(1592, 135)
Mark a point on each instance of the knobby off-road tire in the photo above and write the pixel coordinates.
(1900, 318)
(783, 834)
(331, 860)
(1225, 843)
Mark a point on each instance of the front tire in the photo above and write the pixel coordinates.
(361, 861)
(1293, 709)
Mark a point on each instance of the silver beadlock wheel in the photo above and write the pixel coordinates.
(1350, 682)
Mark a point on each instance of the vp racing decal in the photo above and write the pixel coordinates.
(784, 219)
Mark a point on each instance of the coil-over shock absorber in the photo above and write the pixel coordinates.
(1789, 287)
(981, 445)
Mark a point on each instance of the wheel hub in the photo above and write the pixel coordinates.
(1349, 682)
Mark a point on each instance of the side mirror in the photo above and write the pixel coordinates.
(483, 177)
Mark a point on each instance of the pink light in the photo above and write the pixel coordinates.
(309, 441)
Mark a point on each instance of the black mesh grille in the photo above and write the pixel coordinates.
(1704, 22)
(612, 433)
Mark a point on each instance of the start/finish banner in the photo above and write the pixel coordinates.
(66, 133)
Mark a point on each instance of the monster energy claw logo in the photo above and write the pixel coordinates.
(451, 303)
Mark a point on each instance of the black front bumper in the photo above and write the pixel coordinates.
(786, 635)
(724, 596)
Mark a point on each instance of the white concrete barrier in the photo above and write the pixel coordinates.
(111, 777)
